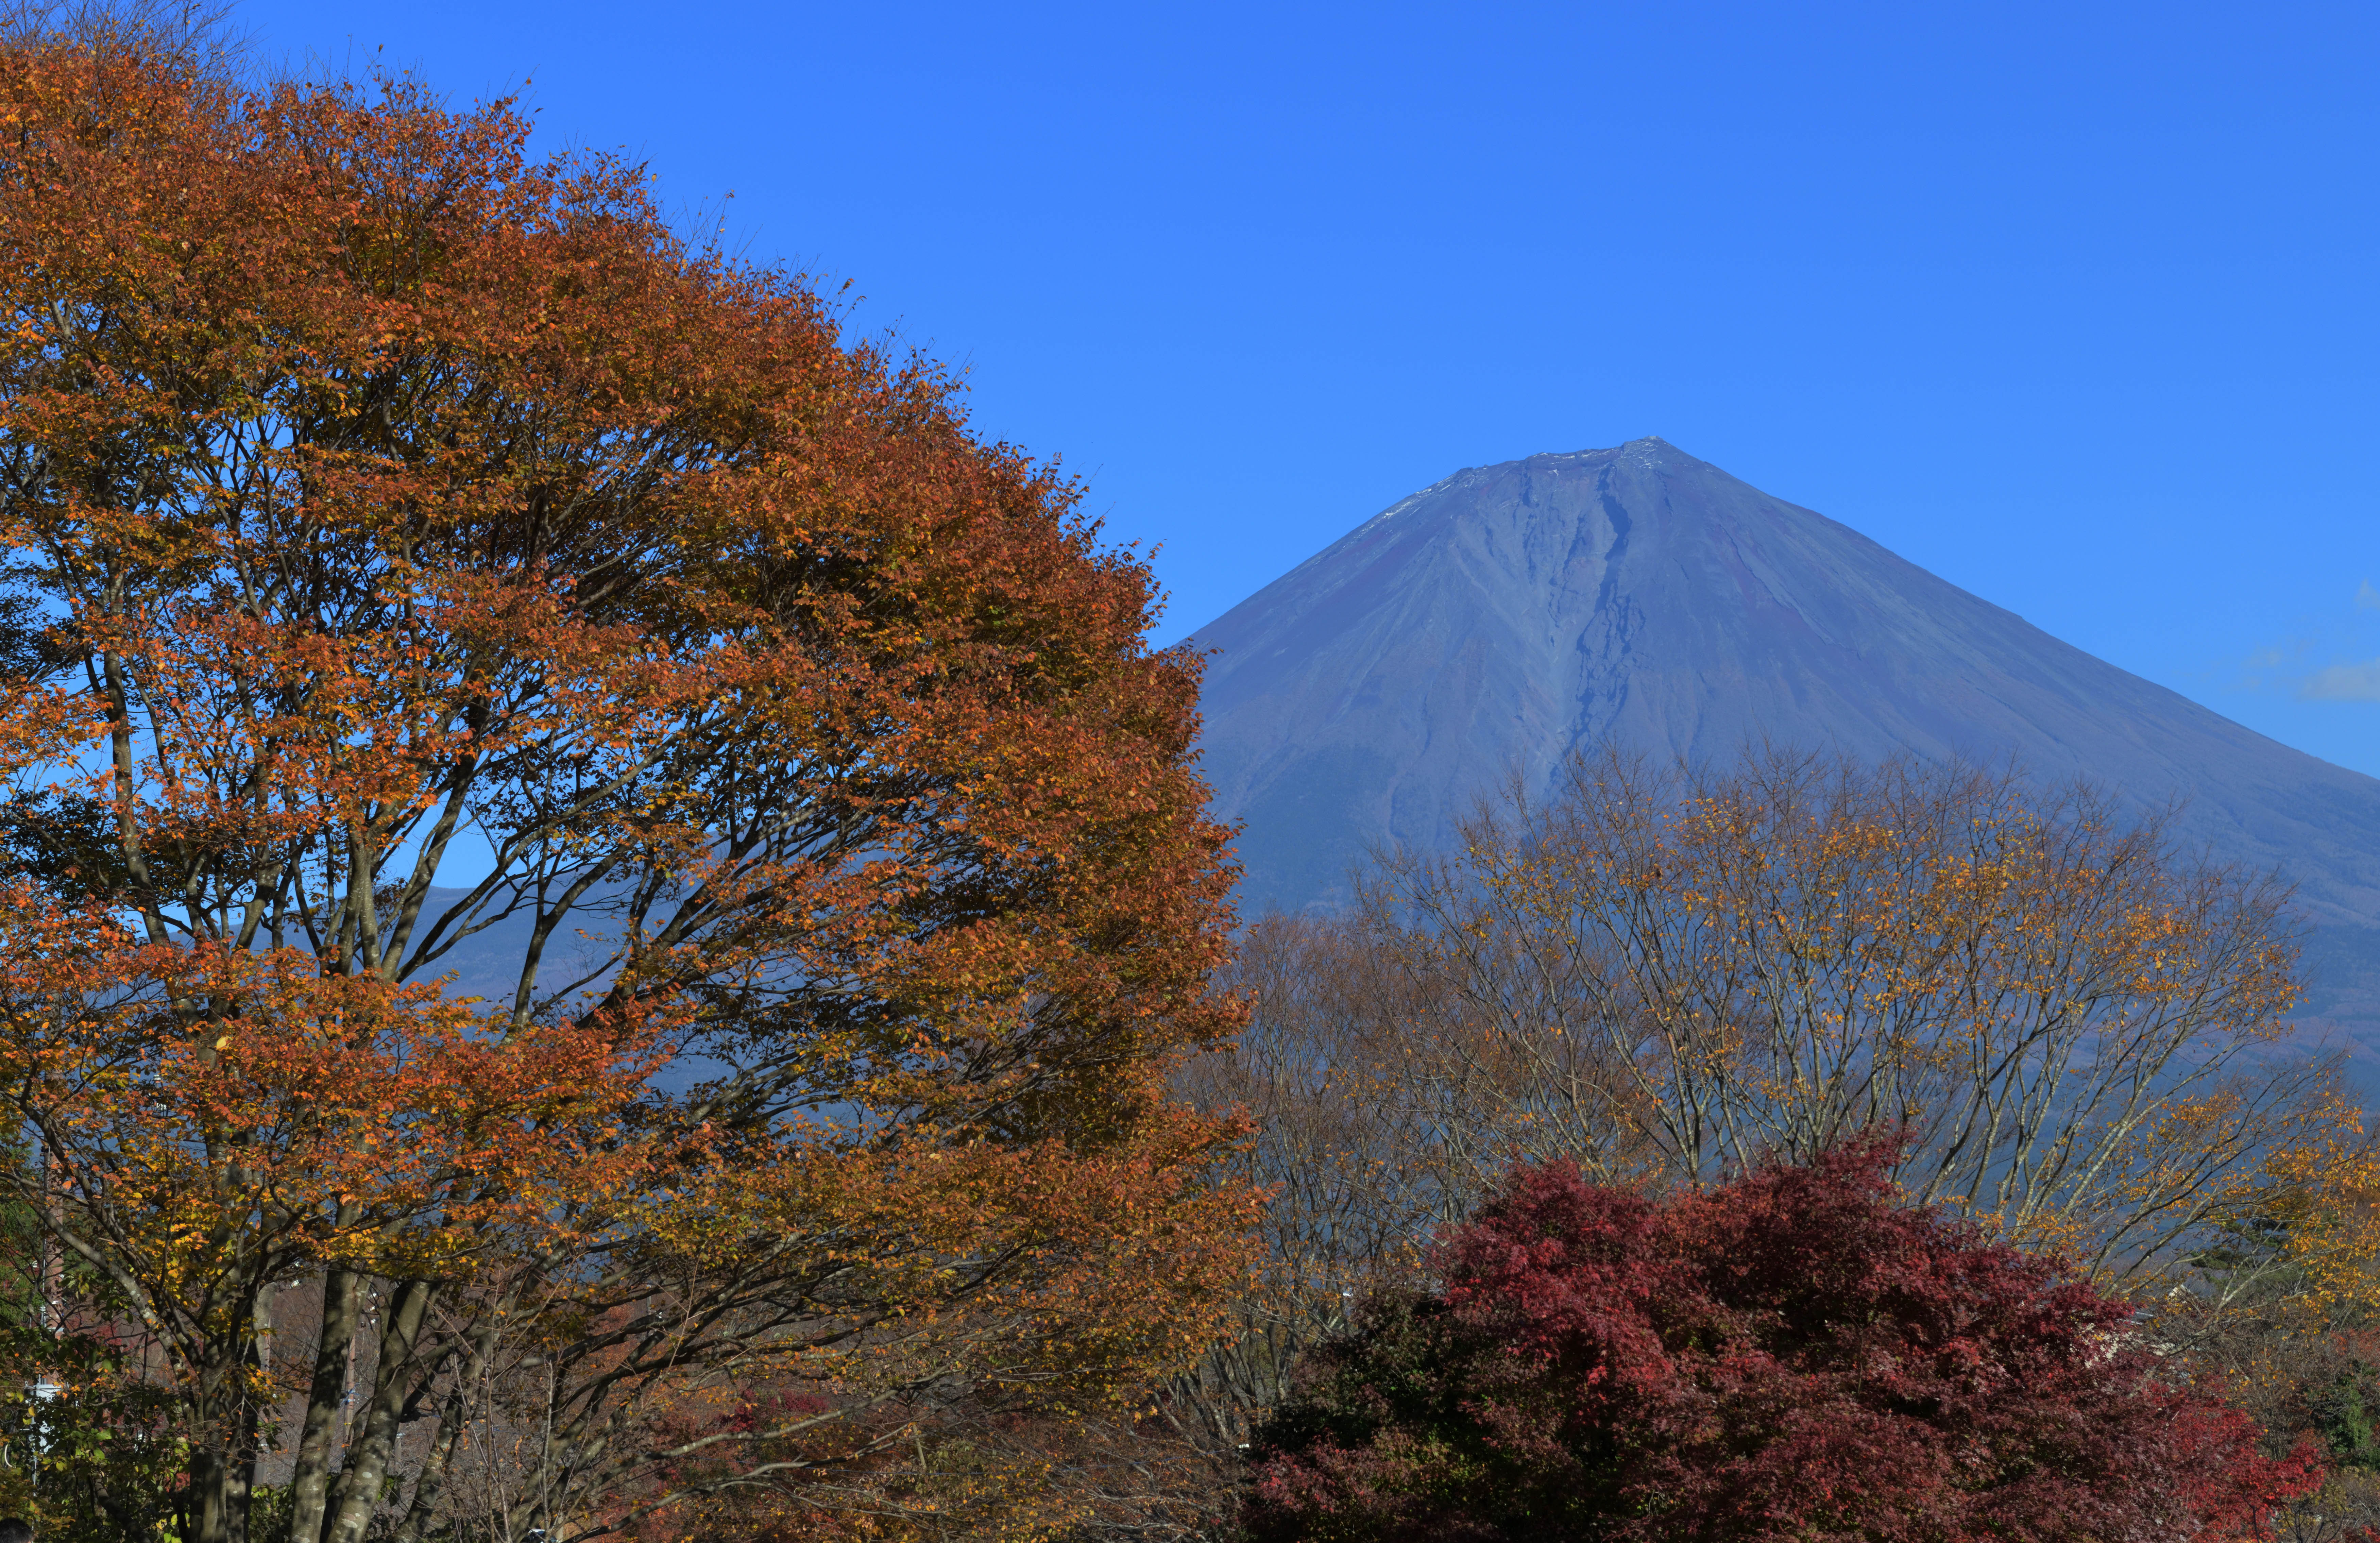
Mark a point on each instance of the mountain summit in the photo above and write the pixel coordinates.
(1511, 614)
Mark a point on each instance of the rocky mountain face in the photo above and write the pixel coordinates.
(1510, 614)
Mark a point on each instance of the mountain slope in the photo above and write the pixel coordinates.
(1511, 614)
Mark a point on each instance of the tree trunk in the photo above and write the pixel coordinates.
(373, 1448)
(310, 1484)
(222, 1484)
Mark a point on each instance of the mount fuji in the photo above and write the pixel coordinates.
(1500, 619)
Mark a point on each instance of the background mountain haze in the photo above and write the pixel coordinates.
(1511, 615)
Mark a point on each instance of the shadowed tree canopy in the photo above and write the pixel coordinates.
(412, 535)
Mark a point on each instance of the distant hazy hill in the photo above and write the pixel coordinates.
(1512, 613)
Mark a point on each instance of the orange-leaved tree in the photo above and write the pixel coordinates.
(2081, 1027)
(601, 896)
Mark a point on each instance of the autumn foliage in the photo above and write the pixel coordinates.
(1790, 1355)
(425, 561)
(1663, 973)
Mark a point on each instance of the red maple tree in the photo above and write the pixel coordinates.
(1787, 1355)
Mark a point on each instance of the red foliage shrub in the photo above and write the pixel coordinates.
(1787, 1355)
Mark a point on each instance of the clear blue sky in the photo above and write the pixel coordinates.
(2073, 305)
